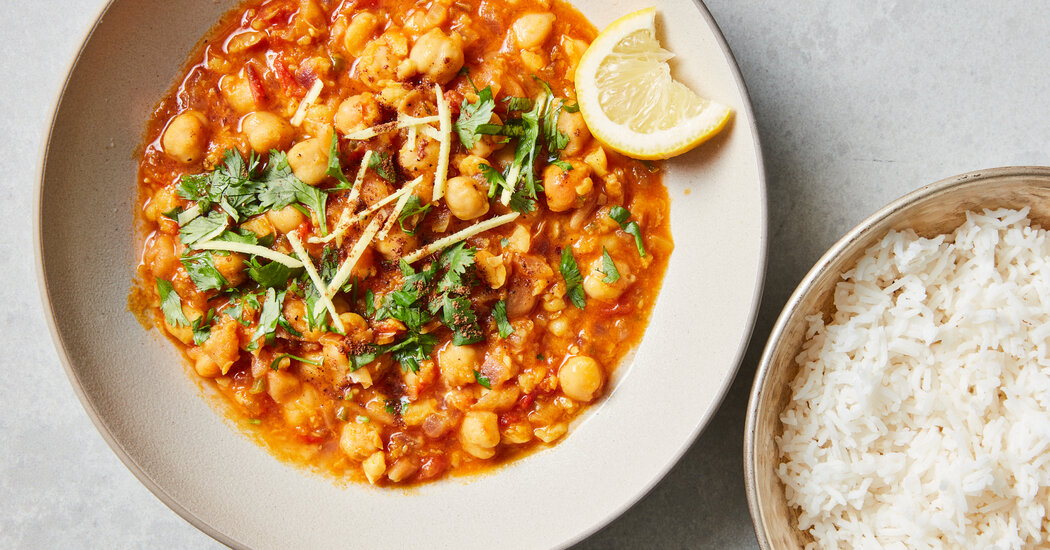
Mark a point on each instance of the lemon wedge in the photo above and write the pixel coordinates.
(629, 100)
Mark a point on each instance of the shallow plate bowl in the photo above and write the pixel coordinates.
(151, 413)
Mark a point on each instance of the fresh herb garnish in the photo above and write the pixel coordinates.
(565, 166)
(370, 303)
(570, 271)
(609, 268)
(171, 304)
(383, 166)
(472, 115)
(414, 207)
(202, 327)
(276, 363)
(362, 419)
(202, 271)
(270, 275)
(201, 226)
(245, 189)
(269, 317)
(422, 296)
(334, 168)
(499, 313)
(620, 215)
(483, 380)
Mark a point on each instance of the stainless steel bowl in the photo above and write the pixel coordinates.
(934, 209)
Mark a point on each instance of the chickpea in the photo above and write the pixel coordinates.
(309, 160)
(422, 158)
(357, 112)
(238, 93)
(470, 165)
(206, 367)
(531, 30)
(161, 257)
(397, 243)
(266, 131)
(466, 198)
(595, 286)
(438, 56)
(379, 60)
(223, 345)
(374, 467)
(230, 266)
(457, 364)
(286, 219)
(562, 187)
(419, 21)
(360, 440)
(580, 378)
(164, 200)
(283, 386)
(359, 32)
(186, 137)
(479, 433)
(573, 126)
(491, 267)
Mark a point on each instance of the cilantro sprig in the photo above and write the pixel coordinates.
(243, 189)
(609, 268)
(472, 115)
(171, 304)
(620, 215)
(424, 296)
(570, 271)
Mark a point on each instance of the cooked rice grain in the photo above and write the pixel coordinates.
(919, 417)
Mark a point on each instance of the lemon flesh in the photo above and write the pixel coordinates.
(629, 99)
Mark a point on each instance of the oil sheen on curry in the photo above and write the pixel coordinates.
(383, 233)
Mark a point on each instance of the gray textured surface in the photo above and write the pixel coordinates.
(857, 103)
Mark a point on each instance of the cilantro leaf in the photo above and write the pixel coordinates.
(199, 227)
(315, 199)
(563, 165)
(202, 271)
(570, 271)
(173, 214)
(270, 275)
(456, 259)
(238, 236)
(334, 168)
(202, 327)
(269, 317)
(495, 179)
(276, 363)
(383, 166)
(370, 303)
(483, 380)
(458, 315)
(414, 207)
(620, 215)
(632, 229)
(472, 115)
(518, 103)
(171, 304)
(499, 312)
(609, 268)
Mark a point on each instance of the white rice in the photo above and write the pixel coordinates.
(920, 417)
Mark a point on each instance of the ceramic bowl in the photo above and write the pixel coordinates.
(935, 209)
(134, 387)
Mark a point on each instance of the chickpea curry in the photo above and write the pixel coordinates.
(382, 231)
